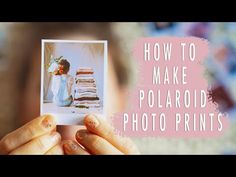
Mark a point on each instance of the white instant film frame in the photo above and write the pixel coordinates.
(72, 119)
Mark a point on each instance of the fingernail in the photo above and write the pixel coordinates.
(48, 122)
(70, 146)
(91, 121)
(81, 134)
(55, 136)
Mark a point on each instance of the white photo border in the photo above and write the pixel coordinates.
(75, 121)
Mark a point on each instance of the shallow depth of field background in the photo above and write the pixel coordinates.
(220, 69)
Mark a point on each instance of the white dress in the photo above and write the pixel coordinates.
(61, 88)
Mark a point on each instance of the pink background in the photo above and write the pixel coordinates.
(195, 81)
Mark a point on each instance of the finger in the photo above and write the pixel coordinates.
(73, 148)
(29, 131)
(95, 144)
(56, 150)
(97, 125)
(68, 131)
(39, 145)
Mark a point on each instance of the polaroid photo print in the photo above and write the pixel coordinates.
(73, 79)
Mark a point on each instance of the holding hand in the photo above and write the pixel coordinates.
(39, 136)
(36, 137)
(99, 138)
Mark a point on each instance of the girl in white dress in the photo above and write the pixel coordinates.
(62, 84)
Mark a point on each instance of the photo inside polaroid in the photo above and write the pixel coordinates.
(73, 79)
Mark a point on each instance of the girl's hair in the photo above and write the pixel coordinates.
(65, 64)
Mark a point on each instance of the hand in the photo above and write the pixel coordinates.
(98, 138)
(36, 137)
